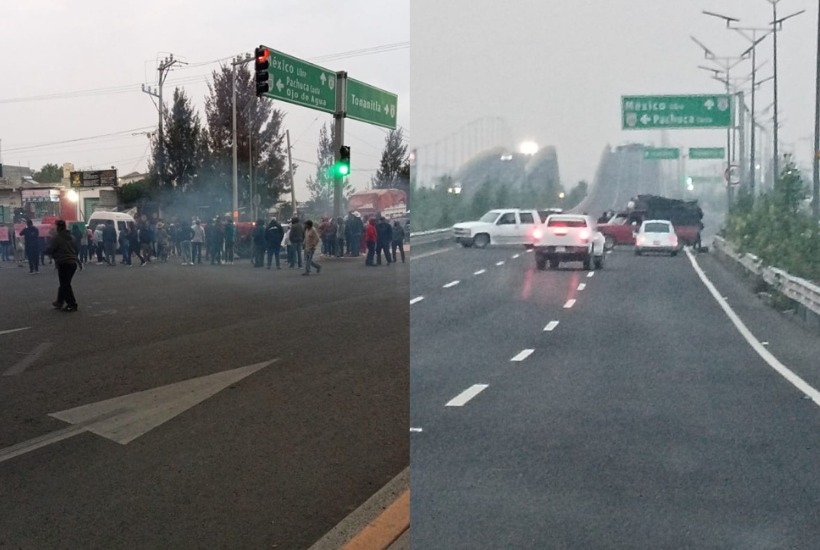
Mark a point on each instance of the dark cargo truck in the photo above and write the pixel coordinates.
(686, 216)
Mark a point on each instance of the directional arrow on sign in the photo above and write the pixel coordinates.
(709, 104)
(279, 84)
(323, 78)
(645, 119)
(124, 419)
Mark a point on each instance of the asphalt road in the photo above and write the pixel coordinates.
(274, 460)
(641, 419)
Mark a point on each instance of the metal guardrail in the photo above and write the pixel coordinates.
(800, 290)
(432, 236)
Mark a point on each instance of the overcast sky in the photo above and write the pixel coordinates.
(53, 49)
(556, 70)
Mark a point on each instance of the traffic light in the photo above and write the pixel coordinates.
(262, 75)
(343, 168)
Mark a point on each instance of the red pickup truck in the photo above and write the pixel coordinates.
(686, 216)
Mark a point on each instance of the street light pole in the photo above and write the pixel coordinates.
(815, 198)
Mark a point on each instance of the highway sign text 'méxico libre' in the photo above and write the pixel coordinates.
(678, 111)
(297, 81)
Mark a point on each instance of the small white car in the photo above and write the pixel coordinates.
(656, 236)
(568, 238)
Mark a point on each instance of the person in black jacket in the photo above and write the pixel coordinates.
(273, 242)
(398, 240)
(62, 249)
(384, 237)
(31, 236)
(258, 236)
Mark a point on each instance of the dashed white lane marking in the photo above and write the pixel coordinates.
(415, 430)
(523, 355)
(550, 326)
(765, 343)
(461, 399)
(570, 303)
(451, 284)
(515, 256)
(416, 300)
(480, 271)
(529, 250)
(808, 391)
(582, 286)
(500, 263)
(591, 274)
(13, 330)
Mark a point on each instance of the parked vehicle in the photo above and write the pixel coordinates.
(504, 226)
(685, 216)
(656, 236)
(568, 238)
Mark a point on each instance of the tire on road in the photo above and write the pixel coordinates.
(540, 262)
(609, 243)
(599, 262)
(481, 240)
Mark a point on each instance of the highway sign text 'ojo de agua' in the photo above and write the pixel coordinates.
(678, 111)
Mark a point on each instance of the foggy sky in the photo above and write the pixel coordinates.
(55, 47)
(556, 70)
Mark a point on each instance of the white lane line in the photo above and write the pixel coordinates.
(582, 286)
(428, 254)
(550, 326)
(765, 354)
(13, 330)
(451, 284)
(765, 343)
(590, 274)
(570, 303)
(500, 263)
(27, 361)
(523, 355)
(529, 250)
(416, 430)
(416, 300)
(515, 256)
(480, 271)
(461, 399)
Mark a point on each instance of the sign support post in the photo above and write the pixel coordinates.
(339, 132)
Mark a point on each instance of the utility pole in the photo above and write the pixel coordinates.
(290, 175)
(235, 201)
(815, 198)
(163, 69)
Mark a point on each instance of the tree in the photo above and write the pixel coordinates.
(183, 143)
(394, 168)
(321, 187)
(50, 173)
(260, 141)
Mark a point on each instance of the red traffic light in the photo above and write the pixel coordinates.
(262, 54)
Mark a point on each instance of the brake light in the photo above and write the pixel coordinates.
(537, 233)
(585, 234)
(673, 239)
(640, 240)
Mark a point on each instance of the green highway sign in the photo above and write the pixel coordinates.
(696, 153)
(370, 104)
(676, 111)
(302, 83)
(661, 153)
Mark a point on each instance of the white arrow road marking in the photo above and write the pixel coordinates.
(499, 263)
(451, 284)
(480, 271)
(29, 360)
(550, 326)
(13, 330)
(582, 286)
(570, 303)
(123, 419)
(461, 399)
(416, 300)
(591, 274)
(523, 355)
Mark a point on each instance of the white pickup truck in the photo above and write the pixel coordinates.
(568, 238)
(512, 226)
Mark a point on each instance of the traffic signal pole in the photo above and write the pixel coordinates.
(339, 131)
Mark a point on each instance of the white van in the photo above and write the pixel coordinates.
(120, 219)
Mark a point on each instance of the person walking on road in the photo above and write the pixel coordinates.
(312, 240)
(297, 233)
(31, 238)
(64, 252)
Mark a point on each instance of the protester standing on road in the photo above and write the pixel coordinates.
(31, 238)
(62, 249)
(196, 242)
(370, 240)
(297, 233)
(398, 240)
(258, 236)
(384, 236)
(312, 240)
(273, 242)
(110, 243)
(230, 238)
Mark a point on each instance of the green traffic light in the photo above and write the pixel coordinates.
(344, 170)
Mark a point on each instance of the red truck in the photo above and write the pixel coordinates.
(686, 216)
(390, 203)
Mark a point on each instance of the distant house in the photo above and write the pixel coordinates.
(131, 178)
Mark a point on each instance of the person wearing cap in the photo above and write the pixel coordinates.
(62, 249)
(31, 235)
